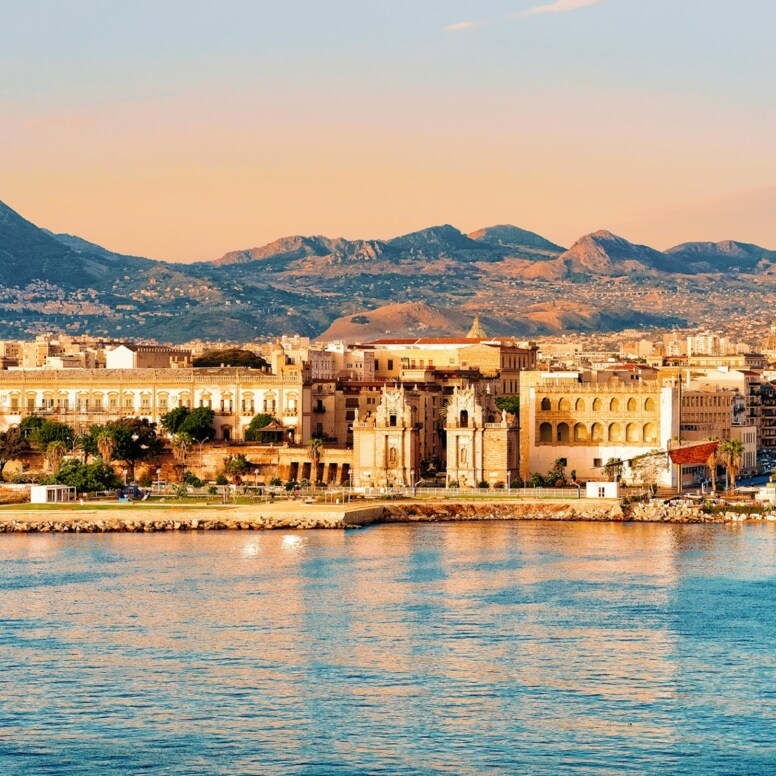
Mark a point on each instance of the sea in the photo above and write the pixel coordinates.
(467, 648)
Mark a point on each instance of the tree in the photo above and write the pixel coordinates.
(315, 451)
(647, 468)
(41, 433)
(181, 447)
(106, 444)
(12, 447)
(173, 420)
(509, 404)
(557, 475)
(613, 469)
(254, 431)
(134, 439)
(85, 478)
(231, 357)
(236, 466)
(199, 424)
(731, 454)
(712, 462)
(55, 452)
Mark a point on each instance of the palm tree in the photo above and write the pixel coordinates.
(315, 451)
(181, 446)
(55, 452)
(731, 453)
(712, 462)
(106, 444)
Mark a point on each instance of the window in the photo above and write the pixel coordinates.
(392, 420)
(596, 462)
(601, 492)
(390, 364)
(163, 404)
(546, 406)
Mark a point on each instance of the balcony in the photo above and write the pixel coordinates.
(319, 410)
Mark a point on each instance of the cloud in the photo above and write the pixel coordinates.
(462, 26)
(560, 6)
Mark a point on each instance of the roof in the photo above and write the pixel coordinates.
(693, 454)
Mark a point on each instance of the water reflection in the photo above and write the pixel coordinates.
(452, 648)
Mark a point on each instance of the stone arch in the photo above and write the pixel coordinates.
(580, 433)
(563, 432)
(650, 432)
(614, 405)
(615, 432)
(632, 433)
(546, 404)
(564, 405)
(579, 405)
(545, 432)
(597, 432)
(597, 405)
(631, 405)
(649, 405)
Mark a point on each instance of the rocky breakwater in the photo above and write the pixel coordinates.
(86, 523)
(591, 511)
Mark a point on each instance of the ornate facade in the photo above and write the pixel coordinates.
(482, 441)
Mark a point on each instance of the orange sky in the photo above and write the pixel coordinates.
(192, 154)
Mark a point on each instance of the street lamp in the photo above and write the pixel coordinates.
(412, 481)
(158, 478)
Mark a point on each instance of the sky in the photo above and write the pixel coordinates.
(182, 129)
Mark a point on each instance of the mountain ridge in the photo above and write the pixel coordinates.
(511, 276)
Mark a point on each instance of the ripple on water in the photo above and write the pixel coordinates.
(467, 648)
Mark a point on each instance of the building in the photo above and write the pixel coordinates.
(589, 418)
(128, 356)
(83, 397)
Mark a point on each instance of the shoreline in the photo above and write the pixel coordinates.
(300, 516)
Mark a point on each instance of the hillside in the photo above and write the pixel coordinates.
(430, 281)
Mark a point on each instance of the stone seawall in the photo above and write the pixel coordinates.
(295, 516)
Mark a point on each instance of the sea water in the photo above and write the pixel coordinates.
(537, 648)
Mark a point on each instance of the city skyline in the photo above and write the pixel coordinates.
(180, 134)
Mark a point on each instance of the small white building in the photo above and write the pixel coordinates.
(602, 490)
(51, 494)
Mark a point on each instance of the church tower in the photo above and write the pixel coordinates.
(476, 331)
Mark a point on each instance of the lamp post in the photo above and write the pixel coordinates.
(412, 481)
(509, 481)
(350, 477)
(158, 478)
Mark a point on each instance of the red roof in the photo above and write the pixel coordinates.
(693, 454)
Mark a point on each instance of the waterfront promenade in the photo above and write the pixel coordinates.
(298, 515)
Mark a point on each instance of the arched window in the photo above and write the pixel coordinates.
(563, 432)
(579, 406)
(632, 433)
(597, 432)
(580, 432)
(564, 405)
(631, 405)
(597, 405)
(615, 432)
(650, 432)
(546, 405)
(614, 405)
(545, 432)
(649, 405)
(463, 421)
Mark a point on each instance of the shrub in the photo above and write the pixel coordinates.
(291, 484)
(191, 479)
(146, 482)
(517, 483)
(221, 480)
(483, 485)
(212, 491)
(275, 482)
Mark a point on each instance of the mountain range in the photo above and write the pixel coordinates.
(427, 282)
